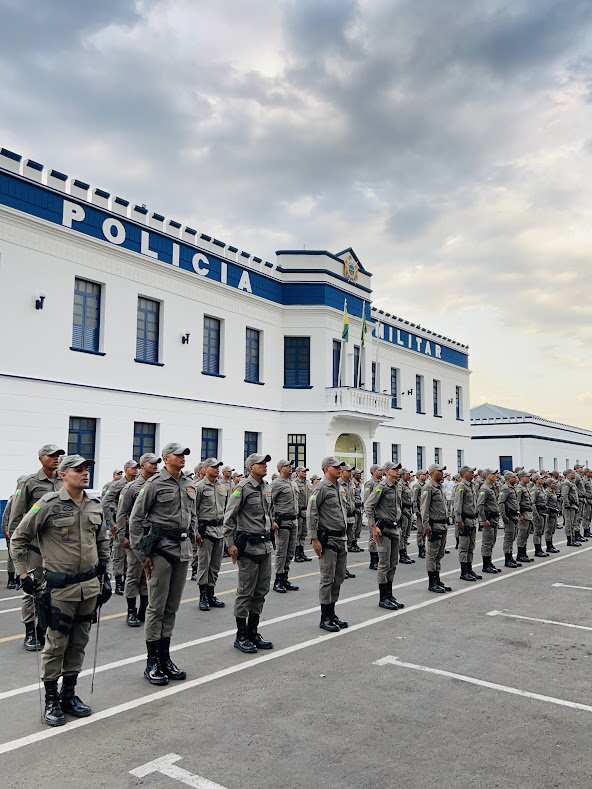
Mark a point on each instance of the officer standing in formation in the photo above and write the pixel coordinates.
(211, 501)
(508, 507)
(383, 511)
(327, 525)
(358, 487)
(417, 491)
(165, 507)
(303, 494)
(570, 503)
(489, 515)
(110, 501)
(376, 475)
(135, 577)
(247, 531)
(285, 495)
(67, 525)
(434, 517)
(587, 512)
(526, 521)
(28, 493)
(12, 582)
(406, 515)
(539, 506)
(552, 513)
(467, 518)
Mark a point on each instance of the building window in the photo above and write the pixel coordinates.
(251, 443)
(211, 348)
(396, 453)
(420, 451)
(336, 362)
(144, 439)
(505, 463)
(252, 356)
(82, 435)
(209, 443)
(374, 381)
(147, 329)
(296, 362)
(566, 463)
(419, 394)
(394, 387)
(436, 389)
(460, 458)
(438, 455)
(375, 452)
(540, 464)
(357, 371)
(555, 464)
(297, 449)
(459, 404)
(87, 311)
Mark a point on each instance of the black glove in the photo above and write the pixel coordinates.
(101, 569)
(29, 585)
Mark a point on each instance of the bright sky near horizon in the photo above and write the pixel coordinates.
(447, 142)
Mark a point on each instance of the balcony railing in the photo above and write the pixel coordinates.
(358, 401)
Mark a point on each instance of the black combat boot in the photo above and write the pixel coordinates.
(154, 672)
(303, 556)
(53, 714)
(510, 561)
(193, 574)
(385, 601)
(465, 575)
(538, 551)
(550, 547)
(522, 556)
(298, 554)
(204, 603)
(143, 607)
(40, 633)
(440, 583)
(341, 623)
(475, 575)
(278, 585)
(213, 600)
(579, 537)
(12, 583)
(360, 550)
(254, 636)
(404, 558)
(131, 619)
(326, 621)
(421, 552)
(288, 585)
(456, 545)
(433, 585)
(31, 642)
(119, 585)
(242, 640)
(70, 702)
(488, 566)
(587, 532)
(167, 665)
(225, 554)
(391, 596)
(573, 543)
(373, 561)
(348, 574)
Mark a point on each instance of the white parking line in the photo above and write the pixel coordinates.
(534, 619)
(394, 661)
(166, 765)
(9, 610)
(14, 597)
(183, 687)
(569, 586)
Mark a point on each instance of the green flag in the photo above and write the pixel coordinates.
(364, 330)
(345, 332)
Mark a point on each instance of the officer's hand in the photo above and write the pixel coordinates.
(317, 548)
(28, 584)
(428, 532)
(233, 551)
(101, 569)
(113, 530)
(276, 528)
(486, 525)
(377, 534)
(148, 567)
(461, 527)
(198, 539)
(125, 543)
(419, 517)
(521, 518)
(506, 521)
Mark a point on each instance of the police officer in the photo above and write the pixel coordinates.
(67, 524)
(211, 502)
(226, 472)
(358, 487)
(135, 578)
(117, 475)
(12, 582)
(285, 495)
(417, 490)
(327, 524)
(303, 494)
(166, 507)
(376, 475)
(580, 487)
(383, 511)
(466, 516)
(248, 522)
(406, 515)
(526, 516)
(570, 503)
(109, 502)
(552, 511)
(344, 483)
(434, 517)
(489, 514)
(508, 507)
(28, 493)
(539, 508)
(587, 510)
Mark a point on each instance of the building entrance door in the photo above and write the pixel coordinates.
(350, 449)
(505, 463)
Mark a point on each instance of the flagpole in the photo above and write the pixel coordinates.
(362, 347)
(341, 350)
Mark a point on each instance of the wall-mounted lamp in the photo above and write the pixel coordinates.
(185, 339)
(39, 301)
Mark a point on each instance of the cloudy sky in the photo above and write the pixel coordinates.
(448, 142)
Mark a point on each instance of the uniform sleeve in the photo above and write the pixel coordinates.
(140, 510)
(502, 502)
(231, 517)
(370, 505)
(459, 494)
(124, 507)
(103, 544)
(534, 497)
(25, 533)
(19, 506)
(6, 517)
(109, 503)
(424, 505)
(312, 513)
(481, 505)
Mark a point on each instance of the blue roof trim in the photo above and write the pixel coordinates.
(81, 184)
(121, 201)
(34, 165)
(233, 249)
(356, 258)
(218, 243)
(206, 238)
(268, 264)
(245, 255)
(172, 223)
(58, 175)
(323, 271)
(102, 193)
(158, 217)
(524, 435)
(140, 209)
(191, 231)
(16, 157)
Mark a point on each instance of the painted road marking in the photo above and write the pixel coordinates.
(569, 586)
(534, 619)
(166, 766)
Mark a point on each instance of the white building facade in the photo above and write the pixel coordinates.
(508, 439)
(123, 330)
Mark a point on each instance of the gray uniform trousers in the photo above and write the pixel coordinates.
(285, 545)
(489, 538)
(209, 555)
(510, 532)
(332, 566)
(27, 605)
(371, 544)
(538, 527)
(302, 530)
(580, 515)
(254, 576)
(135, 578)
(524, 531)
(9, 562)
(435, 550)
(586, 515)
(195, 560)
(63, 653)
(550, 526)
(569, 520)
(118, 555)
(388, 555)
(421, 540)
(351, 528)
(466, 540)
(405, 531)
(165, 589)
(358, 529)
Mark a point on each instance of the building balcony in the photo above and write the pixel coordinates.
(361, 403)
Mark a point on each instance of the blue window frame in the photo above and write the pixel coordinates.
(458, 403)
(437, 455)
(336, 361)
(419, 458)
(82, 434)
(251, 443)
(87, 315)
(297, 449)
(373, 376)
(252, 356)
(375, 452)
(147, 329)
(394, 388)
(296, 362)
(209, 442)
(436, 390)
(144, 439)
(357, 370)
(211, 349)
(396, 453)
(418, 394)
(459, 459)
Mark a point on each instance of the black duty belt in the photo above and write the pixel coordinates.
(285, 516)
(472, 515)
(433, 520)
(384, 523)
(489, 514)
(60, 580)
(254, 539)
(212, 524)
(33, 548)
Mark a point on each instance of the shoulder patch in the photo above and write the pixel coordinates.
(236, 493)
(378, 490)
(460, 490)
(141, 493)
(313, 497)
(18, 492)
(425, 493)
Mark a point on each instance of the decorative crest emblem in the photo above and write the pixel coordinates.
(350, 268)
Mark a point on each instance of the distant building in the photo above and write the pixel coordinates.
(505, 438)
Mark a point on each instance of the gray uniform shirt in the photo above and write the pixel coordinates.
(211, 503)
(28, 493)
(285, 497)
(524, 501)
(327, 509)
(350, 502)
(303, 494)
(433, 506)
(539, 501)
(249, 510)
(417, 490)
(569, 495)
(465, 501)
(406, 496)
(127, 499)
(508, 502)
(487, 504)
(383, 504)
(110, 500)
